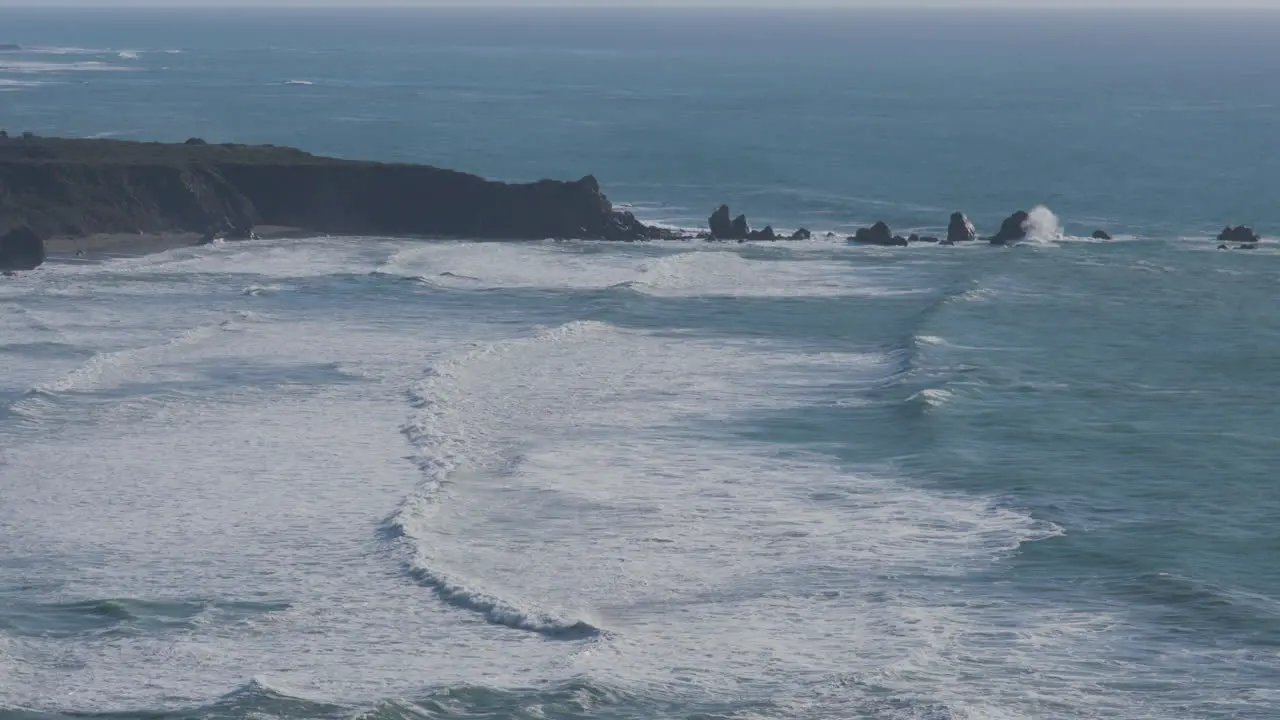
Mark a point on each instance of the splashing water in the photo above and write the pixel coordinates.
(1042, 226)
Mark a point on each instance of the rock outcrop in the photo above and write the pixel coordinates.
(81, 187)
(766, 234)
(1012, 230)
(720, 223)
(722, 228)
(1101, 235)
(878, 234)
(21, 249)
(960, 229)
(1242, 234)
(801, 234)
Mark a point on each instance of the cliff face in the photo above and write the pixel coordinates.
(81, 187)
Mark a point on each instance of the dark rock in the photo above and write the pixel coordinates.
(927, 239)
(1223, 246)
(947, 241)
(721, 225)
(740, 228)
(766, 234)
(960, 229)
(830, 235)
(878, 234)
(82, 187)
(196, 141)
(21, 249)
(1101, 235)
(899, 241)
(1239, 234)
(1012, 229)
(913, 238)
(801, 234)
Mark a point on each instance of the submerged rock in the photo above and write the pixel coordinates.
(1239, 234)
(1012, 230)
(1101, 235)
(927, 239)
(878, 234)
(21, 249)
(960, 229)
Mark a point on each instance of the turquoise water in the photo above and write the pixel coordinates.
(379, 478)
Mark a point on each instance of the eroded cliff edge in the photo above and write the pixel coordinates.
(66, 187)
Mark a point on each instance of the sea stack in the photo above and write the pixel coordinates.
(722, 228)
(960, 229)
(1241, 234)
(1012, 230)
(1101, 235)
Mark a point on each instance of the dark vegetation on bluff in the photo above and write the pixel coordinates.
(82, 187)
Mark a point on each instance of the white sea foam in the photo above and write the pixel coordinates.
(662, 269)
(128, 54)
(298, 82)
(34, 67)
(1042, 226)
(585, 468)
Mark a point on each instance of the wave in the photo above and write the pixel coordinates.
(657, 269)
(110, 368)
(298, 82)
(33, 67)
(95, 618)
(931, 397)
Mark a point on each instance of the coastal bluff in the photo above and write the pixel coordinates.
(76, 188)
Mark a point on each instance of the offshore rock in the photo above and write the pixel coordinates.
(721, 225)
(878, 234)
(1101, 235)
(1242, 234)
(960, 229)
(1012, 230)
(801, 234)
(741, 230)
(766, 234)
(21, 249)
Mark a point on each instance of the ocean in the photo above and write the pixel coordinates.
(381, 478)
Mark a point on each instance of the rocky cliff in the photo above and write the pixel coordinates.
(82, 187)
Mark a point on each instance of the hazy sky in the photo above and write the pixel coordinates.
(655, 3)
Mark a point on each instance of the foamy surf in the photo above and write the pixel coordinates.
(657, 269)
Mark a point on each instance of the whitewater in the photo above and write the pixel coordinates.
(333, 476)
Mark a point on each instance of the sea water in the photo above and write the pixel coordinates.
(379, 478)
